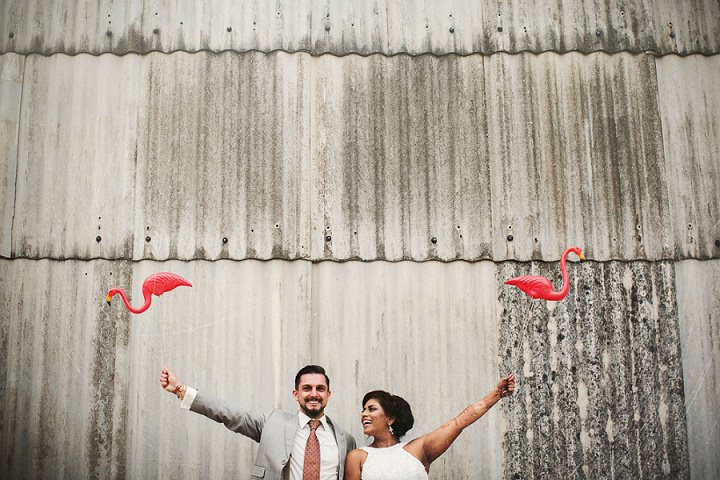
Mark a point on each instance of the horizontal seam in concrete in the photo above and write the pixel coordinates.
(358, 54)
(361, 260)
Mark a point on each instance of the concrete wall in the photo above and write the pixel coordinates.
(364, 27)
(351, 185)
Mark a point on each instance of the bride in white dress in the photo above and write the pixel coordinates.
(387, 418)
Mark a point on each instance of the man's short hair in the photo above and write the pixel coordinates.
(311, 369)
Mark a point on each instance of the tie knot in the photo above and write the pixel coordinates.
(314, 424)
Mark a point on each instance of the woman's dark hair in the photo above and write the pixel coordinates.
(394, 407)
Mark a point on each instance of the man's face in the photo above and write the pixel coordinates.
(312, 394)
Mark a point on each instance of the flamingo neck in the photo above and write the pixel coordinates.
(565, 278)
(146, 305)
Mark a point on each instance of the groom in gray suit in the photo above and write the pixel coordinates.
(306, 445)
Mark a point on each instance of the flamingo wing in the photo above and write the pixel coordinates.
(534, 285)
(159, 283)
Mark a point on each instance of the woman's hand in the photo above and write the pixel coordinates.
(506, 387)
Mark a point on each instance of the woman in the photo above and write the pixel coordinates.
(387, 418)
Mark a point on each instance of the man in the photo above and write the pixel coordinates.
(306, 445)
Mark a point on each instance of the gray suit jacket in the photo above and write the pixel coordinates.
(274, 430)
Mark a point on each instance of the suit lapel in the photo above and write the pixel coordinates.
(291, 428)
(342, 448)
(340, 439)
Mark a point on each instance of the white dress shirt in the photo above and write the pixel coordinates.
(325, 435)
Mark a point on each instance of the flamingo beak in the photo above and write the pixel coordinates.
(107, 299)
(582, 257)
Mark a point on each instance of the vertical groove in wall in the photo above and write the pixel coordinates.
(12, 69)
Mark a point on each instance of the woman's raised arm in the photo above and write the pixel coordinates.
(431, 445)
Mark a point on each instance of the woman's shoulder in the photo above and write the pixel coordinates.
(354, 462)
(358, 454)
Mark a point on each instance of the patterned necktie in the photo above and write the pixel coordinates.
(311, 467)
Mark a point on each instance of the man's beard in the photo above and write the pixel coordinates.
(312, 413)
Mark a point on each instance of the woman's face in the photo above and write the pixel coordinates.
(373, 418)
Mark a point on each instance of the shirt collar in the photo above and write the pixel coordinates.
(304, 419)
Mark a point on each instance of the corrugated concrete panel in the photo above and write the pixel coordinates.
(63, 370)
(370, 26)
(224, 153)
(240, 333)
(424, 331)
(600, 374)
(508, 156)
(186, 150)
(158, 25)
(699, 312)
(463, 26)
(689, 96)
(77, 157)
(11, 80)
(289, 156)
(80, 396)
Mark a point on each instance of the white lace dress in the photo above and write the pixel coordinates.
(392, 463)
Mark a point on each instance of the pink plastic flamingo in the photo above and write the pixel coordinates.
(157, 283)
(540, 287)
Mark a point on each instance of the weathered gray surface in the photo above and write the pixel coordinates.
(64, 371)
(206, 157)
(224, 152)
(553, 150)
(572, 125)
(77, 157)
(689, 95)
(79, 380)
(364, 158)
(364, 27)
(600, 375)
(11, 80)
(424, 331)
(699, 316)
(239, 333)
